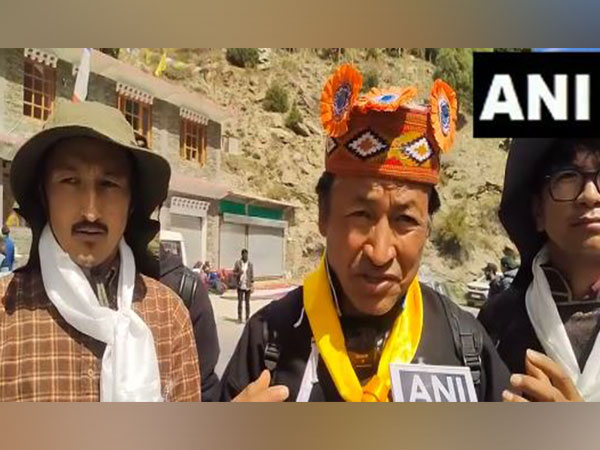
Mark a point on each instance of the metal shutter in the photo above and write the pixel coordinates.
(232, 241)
(265, 248)
(191, 229)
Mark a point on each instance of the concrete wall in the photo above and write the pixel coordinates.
(212, 246)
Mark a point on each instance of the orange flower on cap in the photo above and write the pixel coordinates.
(444, 110)
(387, 100)
(338, 98)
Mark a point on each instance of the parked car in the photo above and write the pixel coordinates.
(477, 292)
(172, 241)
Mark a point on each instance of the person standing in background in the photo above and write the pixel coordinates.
(244, 275)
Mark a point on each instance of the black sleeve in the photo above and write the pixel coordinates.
(496, 312)
(247, 361)
(495, 288)
(485, 318)
(496, 373)
(207, 341)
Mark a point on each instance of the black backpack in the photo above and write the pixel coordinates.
(468, 343)
(187, 287)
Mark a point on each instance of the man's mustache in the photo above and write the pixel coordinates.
(390, 271)
(89, 227)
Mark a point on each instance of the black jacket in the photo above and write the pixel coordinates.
(505, 319)
(203, 323)
(294, 339)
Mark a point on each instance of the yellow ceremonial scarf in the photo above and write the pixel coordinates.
(401, 345)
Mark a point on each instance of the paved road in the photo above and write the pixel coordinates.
(227, 327)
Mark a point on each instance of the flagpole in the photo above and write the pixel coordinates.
(83, 75)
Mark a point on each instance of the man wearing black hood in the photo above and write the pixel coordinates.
(551, 210)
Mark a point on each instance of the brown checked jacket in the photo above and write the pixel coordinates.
(43, 358)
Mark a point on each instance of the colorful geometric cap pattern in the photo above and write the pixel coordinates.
(381, 133)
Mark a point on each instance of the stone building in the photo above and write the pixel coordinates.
(182, 126)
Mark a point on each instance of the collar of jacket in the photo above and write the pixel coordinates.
(561, 290)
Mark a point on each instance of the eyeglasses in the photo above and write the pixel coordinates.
(568, 184)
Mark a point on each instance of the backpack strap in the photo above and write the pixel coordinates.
(187, 288)
(468, 341)
(272, 351)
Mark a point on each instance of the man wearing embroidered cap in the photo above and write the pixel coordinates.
(364, 308)
(82, 321)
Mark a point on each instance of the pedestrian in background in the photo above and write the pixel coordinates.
(244, 274)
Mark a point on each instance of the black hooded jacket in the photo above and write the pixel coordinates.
(505, 316)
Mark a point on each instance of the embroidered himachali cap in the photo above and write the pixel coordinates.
(381, 133)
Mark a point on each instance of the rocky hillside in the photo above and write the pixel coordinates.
(278, 163)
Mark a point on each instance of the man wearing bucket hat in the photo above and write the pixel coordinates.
(82, 321)
(363, 308)
(551, 210)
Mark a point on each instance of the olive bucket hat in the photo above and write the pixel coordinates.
(95, 120)
(98, 121)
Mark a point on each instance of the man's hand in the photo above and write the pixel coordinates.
(545, 381)
(259, 391)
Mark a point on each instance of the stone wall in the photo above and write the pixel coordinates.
(166, 137)
(165, 116)
(12, 120)
(165, 133)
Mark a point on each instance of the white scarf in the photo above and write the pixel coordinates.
(551, 332)
(129, 366)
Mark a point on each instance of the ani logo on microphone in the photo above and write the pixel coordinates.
(425, 383)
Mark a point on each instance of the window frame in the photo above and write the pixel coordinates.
(46, 93)
(142, 108)
(192, 141)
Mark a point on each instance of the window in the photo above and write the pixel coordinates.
(139, 115)
(193, 141)
(38, 89)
